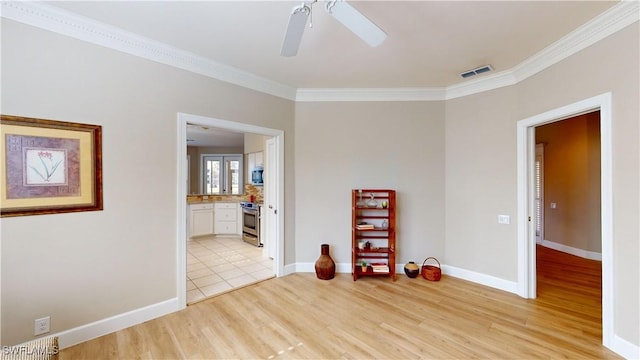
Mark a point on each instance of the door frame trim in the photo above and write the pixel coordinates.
(526, 230)
(181, 149)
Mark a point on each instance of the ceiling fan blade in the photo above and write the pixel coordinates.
(295, 29)
(356, 22)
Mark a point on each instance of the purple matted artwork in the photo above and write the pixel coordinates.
(42, 167)
(49, 166)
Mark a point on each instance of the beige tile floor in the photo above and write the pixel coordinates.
(217, 264)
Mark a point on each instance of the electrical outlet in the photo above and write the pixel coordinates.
(42, 326)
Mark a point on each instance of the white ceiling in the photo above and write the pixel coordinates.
(429, 43)
(198, 135)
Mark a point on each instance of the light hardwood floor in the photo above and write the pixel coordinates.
(301, 317)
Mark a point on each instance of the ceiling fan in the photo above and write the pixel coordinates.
(341, 11)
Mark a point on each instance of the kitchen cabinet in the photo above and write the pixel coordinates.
(226, 219)
(254, 159)
(259, 158)
(200, 219)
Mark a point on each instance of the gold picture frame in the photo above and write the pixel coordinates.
(49, 166)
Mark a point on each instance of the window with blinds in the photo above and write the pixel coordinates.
(539, 192)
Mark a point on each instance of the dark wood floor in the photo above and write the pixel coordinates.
(571, 284)
(560, 274)
(301, 317)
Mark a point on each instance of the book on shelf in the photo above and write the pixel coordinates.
(379, 267)
(365, 227)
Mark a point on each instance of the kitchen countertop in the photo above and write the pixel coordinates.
(199, 199)
(249, 191)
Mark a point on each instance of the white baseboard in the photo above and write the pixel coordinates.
(463, 274)
(121, 321)
(591, 255)
(341, 268)
(482, 279)
(624, 348)
(289, 269)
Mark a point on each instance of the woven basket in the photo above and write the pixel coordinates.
(430, 272)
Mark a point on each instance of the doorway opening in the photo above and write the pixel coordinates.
(567, 219)
(527, 278)
(276, 198)
(567, 185)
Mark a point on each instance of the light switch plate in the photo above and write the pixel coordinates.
(504, 219)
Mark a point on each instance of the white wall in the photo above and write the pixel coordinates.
(343, 146)
(254, 143)
(84, 267)
(481, 164)
(481, 183)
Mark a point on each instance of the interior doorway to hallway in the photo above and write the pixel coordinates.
(567, 217)
(567, 185)
(527, 277)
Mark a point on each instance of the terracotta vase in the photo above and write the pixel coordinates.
(325, 267)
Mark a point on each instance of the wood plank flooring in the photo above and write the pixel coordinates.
(301, 317)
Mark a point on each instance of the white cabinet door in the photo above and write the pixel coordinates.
(225, 227)
(253, 160)
(251, 163)
(226, 218)
(201, 219)
(240, 220)
(259, 158)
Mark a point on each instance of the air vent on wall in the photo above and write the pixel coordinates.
(476, 71)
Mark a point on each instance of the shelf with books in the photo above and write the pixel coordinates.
(370, 272)
(373, 232)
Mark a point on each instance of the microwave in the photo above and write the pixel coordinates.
(257, 175)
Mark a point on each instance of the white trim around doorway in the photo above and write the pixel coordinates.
(526, 230)
(181, 236)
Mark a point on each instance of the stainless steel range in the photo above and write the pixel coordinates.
(251, 223)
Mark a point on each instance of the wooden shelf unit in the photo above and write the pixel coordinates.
(382, 239)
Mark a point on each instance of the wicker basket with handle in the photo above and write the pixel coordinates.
(431, 272)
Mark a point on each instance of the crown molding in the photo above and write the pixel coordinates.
(73, 25)
(63, 22)
(486, 83)
(371, 94)
(609, 22)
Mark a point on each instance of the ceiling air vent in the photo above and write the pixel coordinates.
(476, 71)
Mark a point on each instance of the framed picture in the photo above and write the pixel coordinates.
(49, 166)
